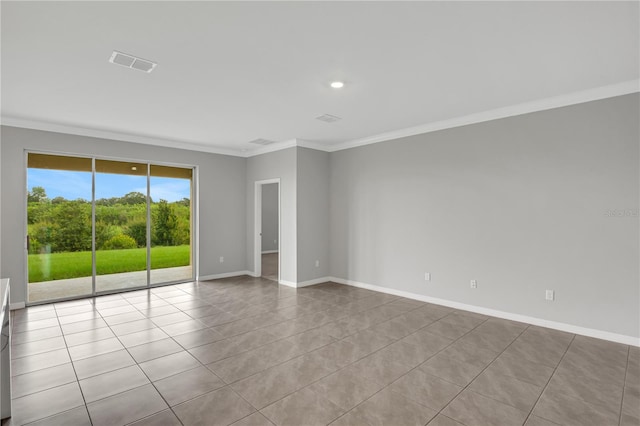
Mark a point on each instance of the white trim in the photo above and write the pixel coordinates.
(574, 98)
(314, 145)
(195, 220)
(306, 283)
(270, 251)
(17, 305)
(313, 282)
(288, 283)
(257, 226)
(279, 146)
(224, 275)
(569, 328)
(26, 123)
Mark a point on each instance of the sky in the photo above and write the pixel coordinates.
(74, 185)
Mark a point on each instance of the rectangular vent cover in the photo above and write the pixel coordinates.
(131, 61)
(328, 118)
(262, 142)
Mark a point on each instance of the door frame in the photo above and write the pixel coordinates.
(257, 227)
(194, 219)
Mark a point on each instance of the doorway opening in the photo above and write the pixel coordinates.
(98, 226)
(267, 242)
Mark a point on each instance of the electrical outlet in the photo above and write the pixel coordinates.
(474, 284)
(221, 259)
(549, 295)
(317, 263)
(427, 276)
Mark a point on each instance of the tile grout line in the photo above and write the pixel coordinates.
(72, 366)
(482, 371)
(286, 337)
(315, 299)
(86, 408)
(300, 356)
(138, 364)
(624, 385)
(334, 303)
(203, 365)
(549, 380)
(416, 367)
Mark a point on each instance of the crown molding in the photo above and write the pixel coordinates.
(574, 98)
(278, 146)
(603, 92)
(314, 145)
(26, 123)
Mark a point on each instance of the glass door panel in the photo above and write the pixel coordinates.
(120, 225)
(170, 224)
(58, 227)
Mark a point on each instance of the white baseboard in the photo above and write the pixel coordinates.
(224, 275)
(569, 328)
(270, 251)
(314, 281)
(305, 283)
(17, 305)
(288, 283)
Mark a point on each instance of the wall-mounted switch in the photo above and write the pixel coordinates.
(549, 295)
(474, 284)
(221, 259)
(427, 276)
(317, 263)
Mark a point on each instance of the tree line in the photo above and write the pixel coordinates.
(61, 225)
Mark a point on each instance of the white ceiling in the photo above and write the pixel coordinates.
(231, 72)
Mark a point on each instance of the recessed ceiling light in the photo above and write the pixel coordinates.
(130, 61)
(337, 84)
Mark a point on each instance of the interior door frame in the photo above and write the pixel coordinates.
(257, 227)
(194, 219)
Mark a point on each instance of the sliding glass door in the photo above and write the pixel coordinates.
(59, 227)
(98, 226)
(170, 189)
(120, 225)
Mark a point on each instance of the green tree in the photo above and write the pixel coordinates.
(104, 232)
(37, 195)
(165, 224)
(38, 212)
(184, 202)
(138, 231)
(134, 198)
(40, 238)
(71, 227)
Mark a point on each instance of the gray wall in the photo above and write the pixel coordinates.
(519, 204)
(270, 217)
(279, 164)
(221, 199)
(313, 214)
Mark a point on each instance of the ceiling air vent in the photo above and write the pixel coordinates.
(131, 61)
(262, 142)
(328, 118)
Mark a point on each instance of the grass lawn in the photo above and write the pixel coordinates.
(59, 266)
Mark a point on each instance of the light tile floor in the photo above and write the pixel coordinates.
(270, 266)
(245, 351)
